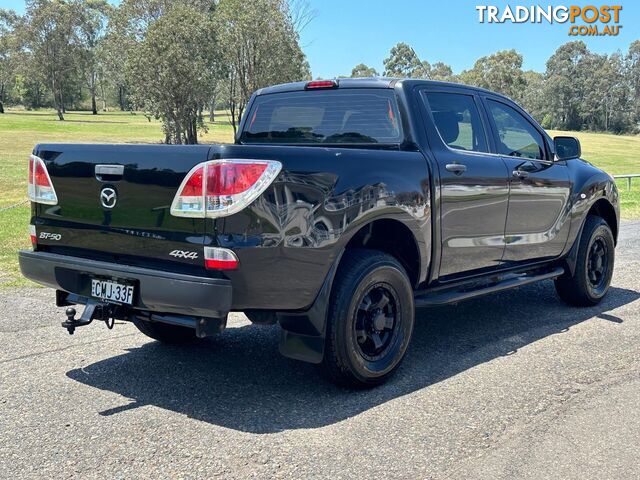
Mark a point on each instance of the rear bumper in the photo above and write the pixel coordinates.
(154, 290)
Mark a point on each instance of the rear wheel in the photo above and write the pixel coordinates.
(594, 266)
(165, 333)
(370, 320)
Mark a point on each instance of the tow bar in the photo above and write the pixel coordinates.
(93, 310)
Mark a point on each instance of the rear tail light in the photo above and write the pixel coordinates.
(220, 259)
(40, 188)
(223, 187)
(32, 234)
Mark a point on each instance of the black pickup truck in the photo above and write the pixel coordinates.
(341, 207)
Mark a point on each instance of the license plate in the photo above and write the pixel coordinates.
(112, 291)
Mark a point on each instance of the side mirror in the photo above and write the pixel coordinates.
(567, 147)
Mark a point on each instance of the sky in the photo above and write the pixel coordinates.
(344, 33)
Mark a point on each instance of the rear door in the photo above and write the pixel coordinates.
(474, 184)
(539, 187)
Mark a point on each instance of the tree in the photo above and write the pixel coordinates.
(404, 62)
(617, 103)
(632, 66)
(564, 80)
(442, 72)
(113, 59)
(113, 56)
(8, 52)
(532, 98)
(134, 17)
(51, 35)
(92, 29)
(604, 98)
(127, 26)
(174, 71)
(29, 86)
(363, 71)
(260, 47)
(501, 72)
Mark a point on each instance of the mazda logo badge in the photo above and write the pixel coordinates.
(108, 197)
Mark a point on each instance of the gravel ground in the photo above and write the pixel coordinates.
(515, 385)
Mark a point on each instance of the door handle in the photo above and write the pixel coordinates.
(456, 168)
(105, 173)
(520, 173)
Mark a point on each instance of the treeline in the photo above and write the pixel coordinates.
(580, 90)
(177, 59)
(173, 59)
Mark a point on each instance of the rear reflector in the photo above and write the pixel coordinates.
(40, 188)
(32, 234)
(223, 187)
(220, 259)
(321, 84)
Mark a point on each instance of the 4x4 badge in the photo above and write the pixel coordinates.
(184, 254)
(108, 197)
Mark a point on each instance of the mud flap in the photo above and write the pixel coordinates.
(303, 333)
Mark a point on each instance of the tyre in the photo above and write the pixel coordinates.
(594, 266)
(165, 333)
(370, 319)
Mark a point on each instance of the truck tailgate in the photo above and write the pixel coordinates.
(122, 213)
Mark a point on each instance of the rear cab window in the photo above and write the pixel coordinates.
(325, 117)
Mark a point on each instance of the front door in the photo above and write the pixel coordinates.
(474, 184)
(537, 226)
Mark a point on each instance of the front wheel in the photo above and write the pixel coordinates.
(370, 319)
(594, 266)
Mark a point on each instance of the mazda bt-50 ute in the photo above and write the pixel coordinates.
(342, 206)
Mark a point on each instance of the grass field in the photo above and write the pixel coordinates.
(21, 130)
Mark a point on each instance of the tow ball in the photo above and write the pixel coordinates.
(92, 311)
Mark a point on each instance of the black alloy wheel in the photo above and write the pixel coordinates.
(370, 319)
(376, 322)
(594, 265)
(598, 264)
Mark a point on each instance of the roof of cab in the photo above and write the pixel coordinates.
(342, 82)
(373, 82)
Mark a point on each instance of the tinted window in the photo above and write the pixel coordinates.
(458, 121)
(324, 116)
(516, 136)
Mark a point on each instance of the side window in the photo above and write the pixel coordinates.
(458, 121)
(516, 136)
